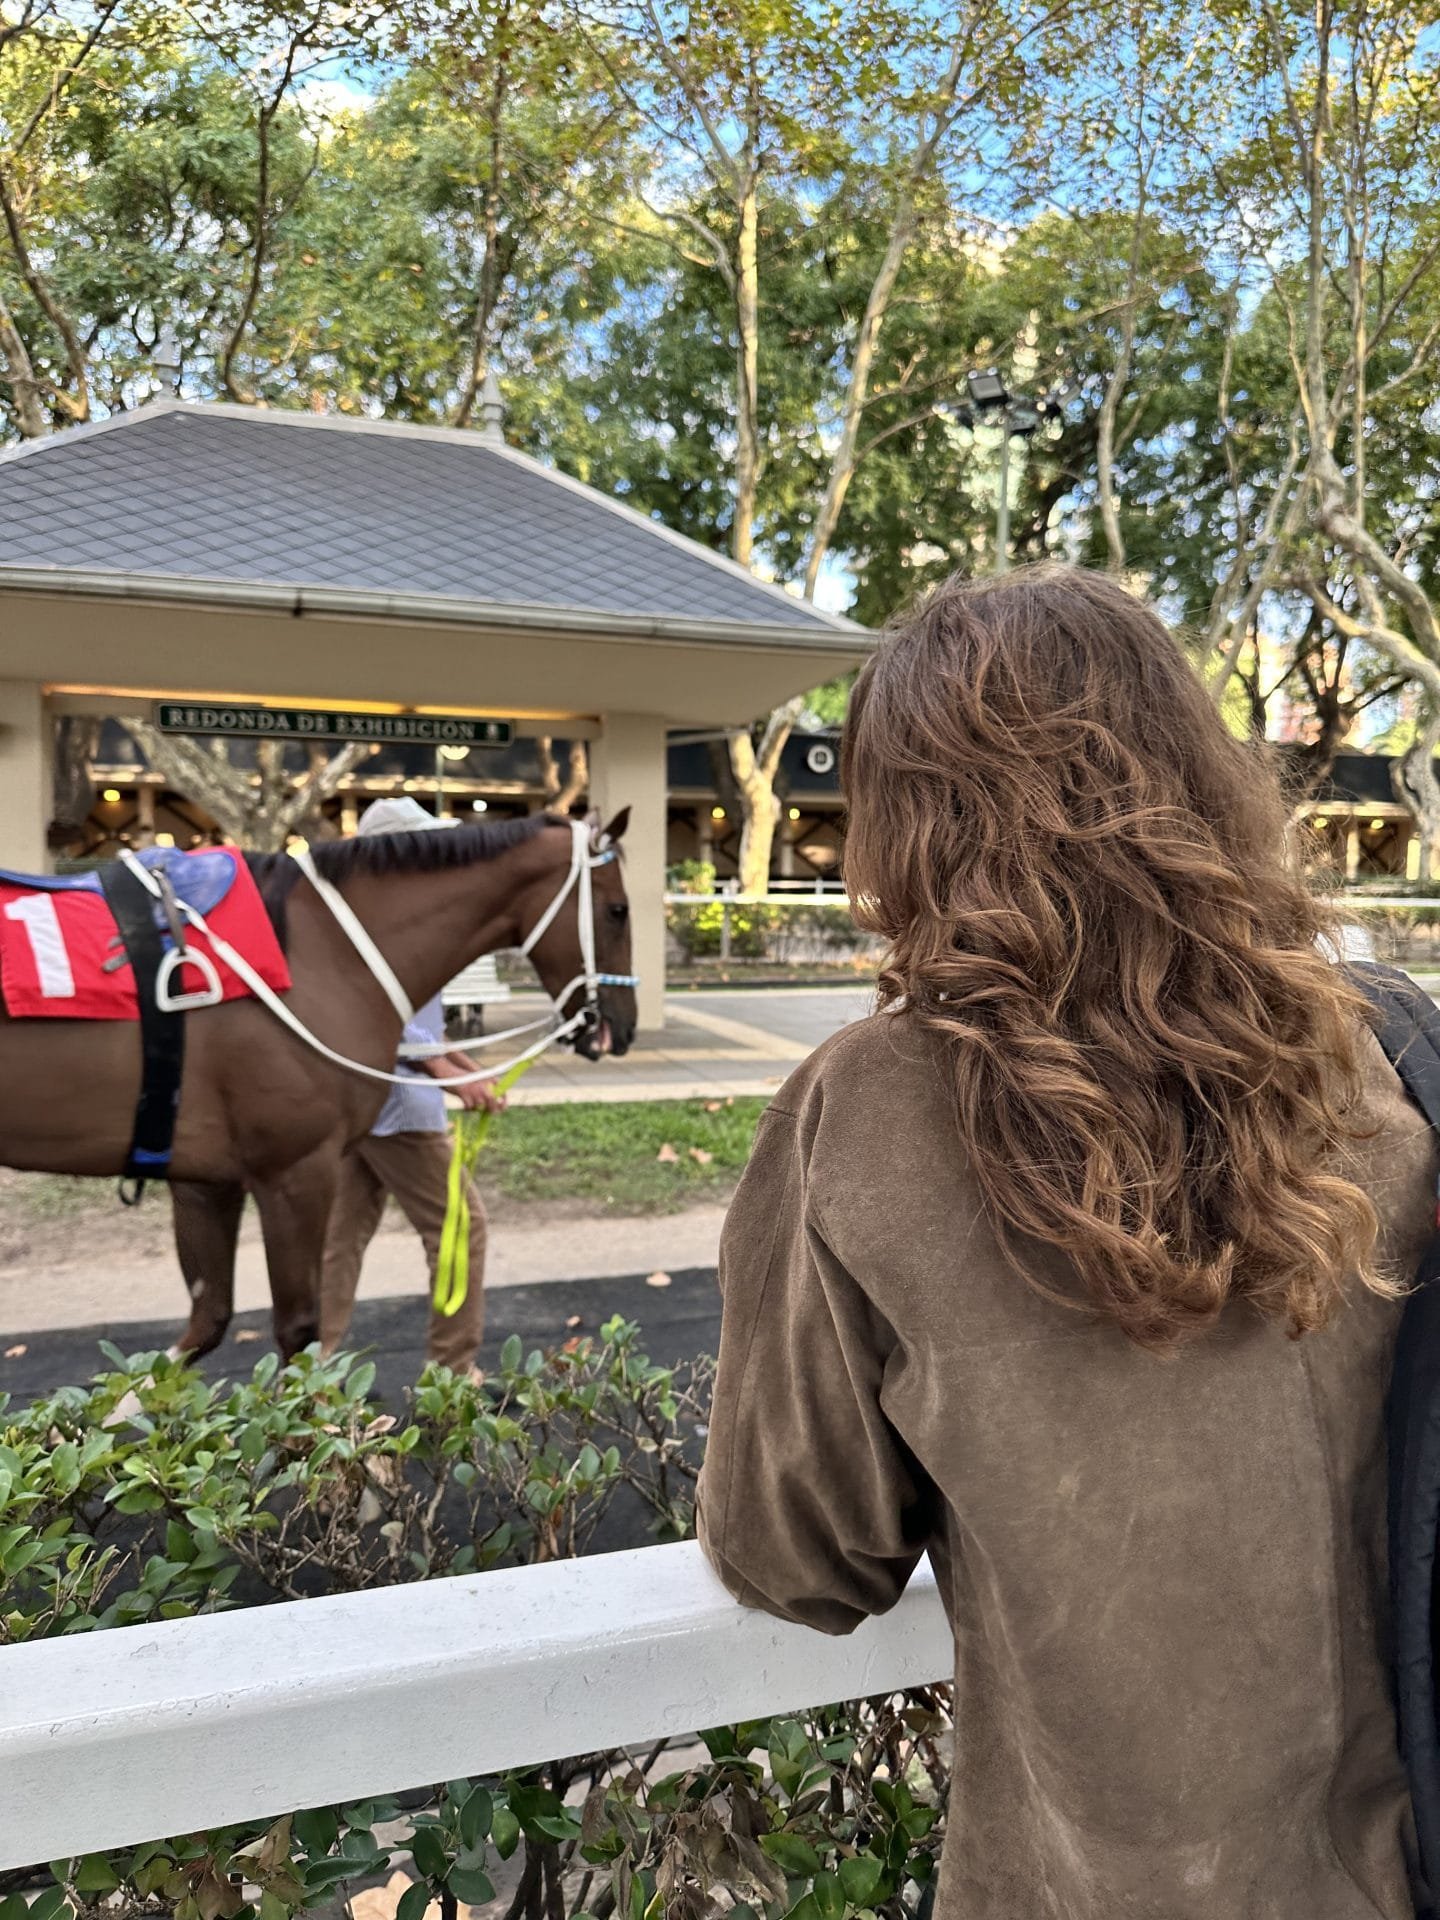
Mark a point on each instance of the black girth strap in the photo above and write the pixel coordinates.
(162, 1035)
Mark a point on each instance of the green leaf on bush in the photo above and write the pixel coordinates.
(475, 1817)
(505, 1832)
(318, 1830)
(510, 1354)
(95, 1875)
(470, 1885)
(829, 1896)
(861, 1878)
(556, 1826)
(50, 1904)
(427, 1850)
(791, 1854)
(413, 1902)
(321, 1875)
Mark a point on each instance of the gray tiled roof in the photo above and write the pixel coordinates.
(232, 494)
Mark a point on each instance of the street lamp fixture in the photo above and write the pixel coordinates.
(988, 390)
(1017, 418)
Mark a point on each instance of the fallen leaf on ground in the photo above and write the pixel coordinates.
(245, 1334)
(713, 1106)
(700, 1156)
(657, 1279)
(575, 1320)
(667, 1153)
(14, 1353)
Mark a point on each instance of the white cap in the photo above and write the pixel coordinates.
(401, 815)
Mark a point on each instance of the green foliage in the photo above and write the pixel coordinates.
(174, 1495)
(153, 1492)
(756, 931)
(835, 1813)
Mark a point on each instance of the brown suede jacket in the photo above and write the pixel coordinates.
(1166, 1578)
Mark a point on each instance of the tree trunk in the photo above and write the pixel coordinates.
(77, 740)
(755, 768)
(488, 290)
(18, 372)
(257, 810)
(747, 371)
(757, 835)
(562, 791)
(1416, 787)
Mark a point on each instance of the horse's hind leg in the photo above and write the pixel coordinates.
(207, 1227)
(294, 1213)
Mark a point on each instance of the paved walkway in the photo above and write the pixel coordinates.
(589, 1247)
(714, 1044)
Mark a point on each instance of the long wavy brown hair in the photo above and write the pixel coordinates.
(1081, 876)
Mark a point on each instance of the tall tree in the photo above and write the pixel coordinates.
(1358, 103)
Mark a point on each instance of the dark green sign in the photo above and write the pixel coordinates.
(306, 723)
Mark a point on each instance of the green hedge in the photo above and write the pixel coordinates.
(153, 1493)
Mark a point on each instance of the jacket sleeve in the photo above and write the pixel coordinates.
(810, 1505)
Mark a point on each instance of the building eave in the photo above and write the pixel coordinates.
(351, 603)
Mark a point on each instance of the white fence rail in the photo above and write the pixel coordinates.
(112, 1739)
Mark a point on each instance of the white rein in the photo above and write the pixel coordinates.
(582, 863)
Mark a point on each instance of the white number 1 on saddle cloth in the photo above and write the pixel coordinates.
(36, 913)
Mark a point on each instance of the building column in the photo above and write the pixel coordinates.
(1412, 854)
(785, 830)
(1352, 849)
(145, 817)
(27, 746)
(627, 769)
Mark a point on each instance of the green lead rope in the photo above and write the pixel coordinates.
(452, 1269)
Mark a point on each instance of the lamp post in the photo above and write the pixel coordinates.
(990, 399)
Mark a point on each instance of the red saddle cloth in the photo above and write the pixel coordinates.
(56, 938)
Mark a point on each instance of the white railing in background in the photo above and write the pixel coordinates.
(112, 1739)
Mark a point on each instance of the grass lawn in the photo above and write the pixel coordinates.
(611, 1152)
(606, 1156)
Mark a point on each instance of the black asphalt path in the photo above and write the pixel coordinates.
(678, 1323)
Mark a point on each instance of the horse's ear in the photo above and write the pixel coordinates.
(617, 826)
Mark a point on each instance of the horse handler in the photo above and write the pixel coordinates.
(407, 1154)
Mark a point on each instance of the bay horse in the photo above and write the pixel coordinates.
(260, 1111)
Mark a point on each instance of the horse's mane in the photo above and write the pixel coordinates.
(381, 853)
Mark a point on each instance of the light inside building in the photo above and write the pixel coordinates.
(164, 839)
(1377, 826)
(453, 753)
(717, 813)
(794, 813)
(111, 794)
(479, 806)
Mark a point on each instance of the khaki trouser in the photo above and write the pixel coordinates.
(415, 1167)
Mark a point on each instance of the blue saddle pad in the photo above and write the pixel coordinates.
(202, 880)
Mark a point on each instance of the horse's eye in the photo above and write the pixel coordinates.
(617, 912)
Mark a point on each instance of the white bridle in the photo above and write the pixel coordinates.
(583, 860)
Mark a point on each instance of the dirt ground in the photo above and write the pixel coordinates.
(49, 1219)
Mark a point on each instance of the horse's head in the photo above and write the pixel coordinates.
(565, 959)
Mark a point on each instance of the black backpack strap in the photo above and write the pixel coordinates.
(1408, 1028)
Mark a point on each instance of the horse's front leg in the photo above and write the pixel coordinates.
(207, 1227)
(294, 1214)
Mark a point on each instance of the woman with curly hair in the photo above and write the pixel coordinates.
(1077, 1266)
